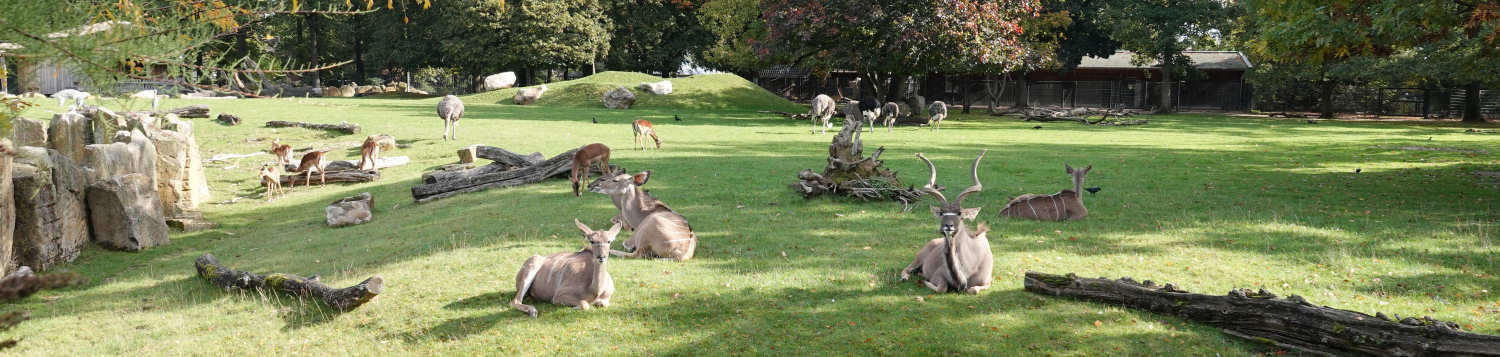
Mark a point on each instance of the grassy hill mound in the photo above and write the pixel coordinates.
(704, 91)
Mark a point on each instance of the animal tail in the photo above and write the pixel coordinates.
(531, 267)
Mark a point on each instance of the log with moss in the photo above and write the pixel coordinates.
(1291, 322)
(849, 173)
(301, 178)
(344, 299)
(346, 128)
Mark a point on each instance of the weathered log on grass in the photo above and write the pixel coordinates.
(797, 116)
(191, 111)
(339, 299)
(346, 128)
(505, 157)
(300, 179)
(443, 184)
(380, 163)
(849, 173)
(1291, 323)
(23, 282)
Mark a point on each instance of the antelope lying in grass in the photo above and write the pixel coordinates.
(659, 231)
(961, 260)
(575, 279)
(1064, 205)
(821, 112)
(584, 159)
(642, 129)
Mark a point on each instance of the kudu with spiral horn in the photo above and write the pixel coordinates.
(961, 260)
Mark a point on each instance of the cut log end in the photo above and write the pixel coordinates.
(345, 299)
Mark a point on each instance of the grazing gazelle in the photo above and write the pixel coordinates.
(312, 161)
(270, 179)
(822, 110)
(961, 260)
(369, 152)
(450, 110)
(283, 152)
(583, 160)
(659, 231)
(1063, 205)
(575, 279)
(643, 129)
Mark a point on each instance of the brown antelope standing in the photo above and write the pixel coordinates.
(1064, 205)
(582, 162)
(822, 110)
(659, 231)
(270, 179)
(283, 152)
(369, 152)
(312, 161)
(450, 110)
(642, 129)
(575, 279)
(961, 260)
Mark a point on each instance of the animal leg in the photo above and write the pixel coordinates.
(976, 289)
(322, 177)
(455, 130)
(524, 278)
(938, 286)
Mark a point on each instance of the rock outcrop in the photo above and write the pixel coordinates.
(500, 80)
(350, 211)
(126, 213)
(663, 87)
(51, 224)
(619, 98)
(29, 132)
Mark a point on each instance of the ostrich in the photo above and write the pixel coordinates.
(450, 109)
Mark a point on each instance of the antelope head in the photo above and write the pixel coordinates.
(950, 214)
(1078, 176)
(598, 241)
(620, 184)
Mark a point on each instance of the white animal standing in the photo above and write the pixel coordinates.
(575, 279)
(822, 110)
(70, 94)
(450, 110)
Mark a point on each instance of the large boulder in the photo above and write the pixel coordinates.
(137, 156)
(526, 96)
(350, 211)
(69, 133)
(50, 225)
(29, 132)
(619, 98)
(179, 168)
(103, 123)
(7, 210)
(126, 213)
(658, 88)
(500, 80)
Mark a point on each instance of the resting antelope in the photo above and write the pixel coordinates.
(659, 231)
(642, 129)
(890, 112)
(939, 111)
(583, 160)
(270, 179)
(450, 110)
(1063, 205)
(821, 112)
(369, 152)
(312, 161)
(574, 279)
(283, 152)
(961, 260)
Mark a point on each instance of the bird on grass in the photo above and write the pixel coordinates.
(1092, 190)
(596, 120)
(1310, 121)
(1037, 127)
(676, 118)
(1357, 170)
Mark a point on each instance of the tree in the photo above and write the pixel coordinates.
(1160, 30)
(737, 29)
(1082, 35)
(485, 36)
(1310, 41)
(888, 40)
(654, 35)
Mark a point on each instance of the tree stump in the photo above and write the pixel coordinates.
(1291, 323)
(345, 299)
(849, 173)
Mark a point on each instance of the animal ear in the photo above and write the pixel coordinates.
(614, 229)
(1070, 168)
(641, 178)
(971, 213)
(937, 212)
(582, 227)
(979, 231)
(1087, 169)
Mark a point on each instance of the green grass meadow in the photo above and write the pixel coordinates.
(1207, 202)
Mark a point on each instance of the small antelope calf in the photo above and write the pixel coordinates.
(574, 279)
(1060, 206)
(272, 180)
(283, 152)
(961, 260)
(312, 161)
(369, 152)
(642, 129)
(583, 160)
(659, 231)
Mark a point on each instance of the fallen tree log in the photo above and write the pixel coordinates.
(342, 300)
(343, 127)
(442, 184)
(505, 157)
(191, 111)
(1291, 323)
(380, 163)
(300, 179)
(798, 116)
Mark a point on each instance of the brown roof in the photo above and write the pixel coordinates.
(1203, 60)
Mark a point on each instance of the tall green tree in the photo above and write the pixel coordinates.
(1160, 30)
(654, 35)
(887, 40)
(737, 28)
